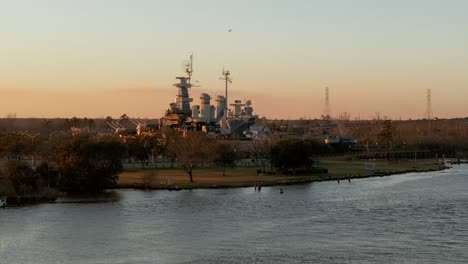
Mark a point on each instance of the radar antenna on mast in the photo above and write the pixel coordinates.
(189, 68)
(227, 79)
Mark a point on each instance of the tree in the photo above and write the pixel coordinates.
(137, 150)
(46, 124)
(168, 136)
(14, 145)
(289, 154)
(295, 154)
(123, 117)
(345, 116)
(87, 164)
(260, 149)
(191, 149)
(10, 121)
(142, 147)
(75, 122)
(48, 175)
(386, 134)
(155, 144)
(21, 177)
(67, 123)
(6, 186)
(225, 155)
(91, 124)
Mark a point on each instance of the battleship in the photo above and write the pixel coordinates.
(214, 119)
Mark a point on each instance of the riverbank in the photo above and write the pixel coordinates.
(18, 200)
(46, 196)
(176, 179)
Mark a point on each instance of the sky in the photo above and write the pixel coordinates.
(94, 58)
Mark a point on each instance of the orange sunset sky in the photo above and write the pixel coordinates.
(98, 58)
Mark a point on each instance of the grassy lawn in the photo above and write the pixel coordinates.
(355, 169)
(247, 176)
(203, 177)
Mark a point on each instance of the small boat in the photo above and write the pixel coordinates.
(3, 202)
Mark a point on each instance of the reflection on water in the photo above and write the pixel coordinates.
(412, 218)
(106, 197)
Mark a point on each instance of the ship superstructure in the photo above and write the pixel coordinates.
(180, 110)
(217, 119)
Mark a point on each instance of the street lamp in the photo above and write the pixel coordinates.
(55, 133)
(32, 136)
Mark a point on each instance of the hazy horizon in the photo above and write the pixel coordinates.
(98, 58)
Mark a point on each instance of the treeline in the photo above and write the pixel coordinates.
(381, 133)
(88, 163)
(91, 163)
(71, 164)
(392, 136)
(46, 125)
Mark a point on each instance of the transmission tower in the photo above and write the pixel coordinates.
(429, 110)
(428, 105)
(326, 112)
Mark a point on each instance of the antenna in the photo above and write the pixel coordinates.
(189, 68)
(227, 79)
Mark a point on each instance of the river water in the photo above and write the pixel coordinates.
(412, 218)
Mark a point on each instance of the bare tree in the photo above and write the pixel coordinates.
(387, 133)
(11, 120)
(261, 149)
(345, 116)
(191, 149)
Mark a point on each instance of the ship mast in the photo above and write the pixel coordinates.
(183, 99)
(227, 80)
(189, 69)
